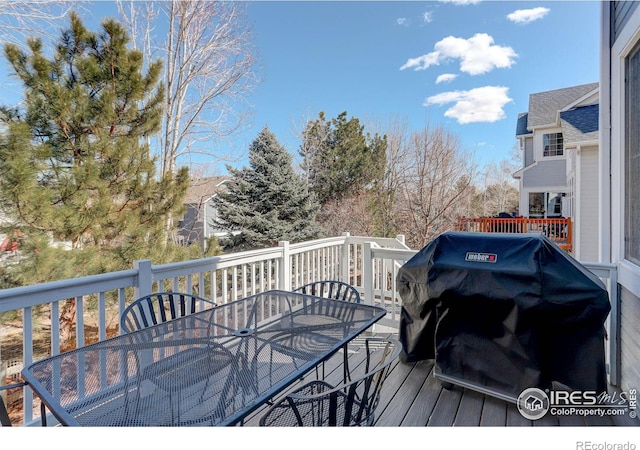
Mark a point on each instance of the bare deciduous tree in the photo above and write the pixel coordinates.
(395, 170)
(20, 19)
(209, 62)
(438, 176)
(352, 214)
(500, 190)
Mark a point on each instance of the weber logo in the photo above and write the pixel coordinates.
(481, 257)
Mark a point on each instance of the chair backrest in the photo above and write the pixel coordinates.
(160, 307)
(5, 420)
(337, 290)
(318, 403)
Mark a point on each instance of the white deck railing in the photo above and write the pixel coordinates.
(97, 301)
(371, 264)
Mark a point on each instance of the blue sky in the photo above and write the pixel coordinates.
(467, 65)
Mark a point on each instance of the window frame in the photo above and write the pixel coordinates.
(543, 201)
(631, 156)
(555, 144)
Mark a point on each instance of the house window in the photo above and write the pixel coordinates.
(546, 204)
(632, 157)
(536, 204)
(553, 144)
(554, 204)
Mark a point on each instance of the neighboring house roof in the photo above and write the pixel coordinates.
(202, 189)
(521, 127)
(580, 124)
(544, 106)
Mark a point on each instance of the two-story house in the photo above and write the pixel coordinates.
(558, 138)
(197, 223)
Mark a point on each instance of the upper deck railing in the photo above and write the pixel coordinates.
(559, 230)
(49, 318)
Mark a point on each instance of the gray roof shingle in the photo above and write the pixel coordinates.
(544, 106)
(521, 127)
(580, 124)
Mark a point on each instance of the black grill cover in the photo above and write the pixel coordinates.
(505, 311)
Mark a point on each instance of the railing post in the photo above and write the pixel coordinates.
(570, 233)
(345, 266)
(367, 273)
(284, 277)
(145, 278)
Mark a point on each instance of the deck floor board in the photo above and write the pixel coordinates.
(413, 397)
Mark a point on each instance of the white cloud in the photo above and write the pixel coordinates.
(477, 54)
(427, 17)
(403, 21)
(446, 77)
(528, 15)
(482, 104)
(422, 62)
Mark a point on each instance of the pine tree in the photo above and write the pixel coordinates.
(74, 160)
(340, 159)
(268, 201)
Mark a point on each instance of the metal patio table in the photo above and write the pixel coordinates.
(210, 368)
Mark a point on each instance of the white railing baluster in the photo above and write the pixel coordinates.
(122, 299)
(284, 272)
(201, 284)
(234, 283)
(245, 281)
(225, 286)
(80, 341)
(217, 286)
(55, 328)
(27, 351)
(102, 316)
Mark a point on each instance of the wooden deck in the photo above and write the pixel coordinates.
(413, 397)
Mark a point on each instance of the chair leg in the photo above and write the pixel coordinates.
(5, 420)
(346, 373)
(43, 414)
(4, 415)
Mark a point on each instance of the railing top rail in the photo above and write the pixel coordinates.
(184, 267)
(262, 253)
(215, 262)
(316, 244)
(392, 253)
(37, 294)
(382, 242)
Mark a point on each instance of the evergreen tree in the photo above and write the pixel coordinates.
(74, 159)
(268, 201)
(340, 159)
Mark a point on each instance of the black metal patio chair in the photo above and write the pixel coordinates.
(161, 307)
(318, 403)
(5, 421)
(337, 290)
(334, 289)
(330, 289)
